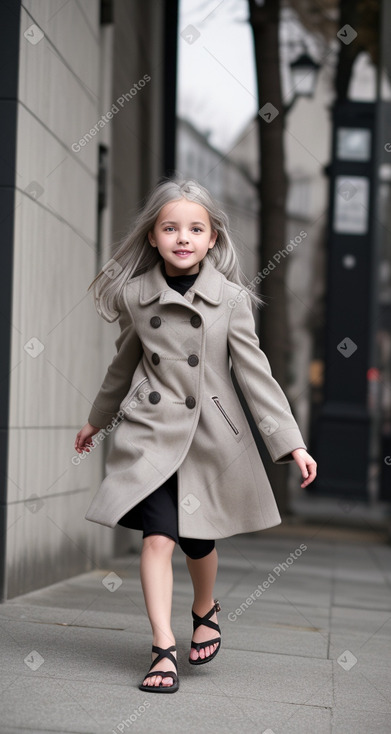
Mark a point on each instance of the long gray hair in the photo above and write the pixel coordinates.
(135, 255)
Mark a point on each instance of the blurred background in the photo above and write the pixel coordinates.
(282, 110)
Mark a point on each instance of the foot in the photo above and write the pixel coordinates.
(156, 680)
(203, 633)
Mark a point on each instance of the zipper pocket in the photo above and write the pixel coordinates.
(227, 418)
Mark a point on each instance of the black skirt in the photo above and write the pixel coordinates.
(157, 513)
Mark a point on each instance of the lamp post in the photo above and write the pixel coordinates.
(304, 73)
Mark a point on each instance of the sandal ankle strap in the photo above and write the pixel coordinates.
(164, 653)
(205, 620)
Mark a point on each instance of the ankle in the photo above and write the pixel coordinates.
(202, 607)
(164, 642)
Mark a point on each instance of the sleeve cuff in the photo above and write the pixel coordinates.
(99, 419)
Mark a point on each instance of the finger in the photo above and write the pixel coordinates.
(312, 469)
(311, 476)
(303, 469)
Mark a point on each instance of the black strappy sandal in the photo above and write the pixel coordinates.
(208, 623)
(164, 673)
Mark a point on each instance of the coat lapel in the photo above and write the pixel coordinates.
(208, 285)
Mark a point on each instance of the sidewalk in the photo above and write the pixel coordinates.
(308, 652)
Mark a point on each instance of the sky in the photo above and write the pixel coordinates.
(217, 90)
(216, 70)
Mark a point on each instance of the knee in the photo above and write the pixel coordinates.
(159, 544)
(196, 549)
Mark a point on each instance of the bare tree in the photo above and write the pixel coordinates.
(264, 20)
(323, 19)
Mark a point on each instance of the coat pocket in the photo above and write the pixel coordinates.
(130, 402)
(235, 430)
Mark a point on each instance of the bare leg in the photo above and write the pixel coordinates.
(203, 573)
(157, 583)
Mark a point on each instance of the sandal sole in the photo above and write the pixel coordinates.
(201, 661)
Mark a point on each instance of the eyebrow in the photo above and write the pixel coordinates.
(172, 222)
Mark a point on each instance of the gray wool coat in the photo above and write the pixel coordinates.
(169, 400)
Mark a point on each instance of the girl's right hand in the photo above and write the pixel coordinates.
(83, 438)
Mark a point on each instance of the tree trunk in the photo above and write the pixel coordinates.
(274, 336)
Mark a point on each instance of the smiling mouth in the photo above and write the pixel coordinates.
(182, 252)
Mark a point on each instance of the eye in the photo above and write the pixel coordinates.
(198, 228)
(168, 227)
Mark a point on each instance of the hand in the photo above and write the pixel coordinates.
(83, 438)
(306, 464)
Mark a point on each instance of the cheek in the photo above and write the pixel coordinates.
(163, 239)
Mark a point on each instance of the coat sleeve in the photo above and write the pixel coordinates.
(119, 373)
(265, 398)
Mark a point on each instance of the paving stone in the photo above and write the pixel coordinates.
(74, 652)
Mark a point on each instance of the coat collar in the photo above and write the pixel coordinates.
(208, 285)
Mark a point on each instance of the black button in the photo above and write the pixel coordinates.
(195, 321)
(154, 397)
(193, 360)
(155, 358)
(155, 321)
(190, 401)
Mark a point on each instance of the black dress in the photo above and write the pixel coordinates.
(158, 513)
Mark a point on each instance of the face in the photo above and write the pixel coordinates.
(183, 235)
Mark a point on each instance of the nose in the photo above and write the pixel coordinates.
(182, 238)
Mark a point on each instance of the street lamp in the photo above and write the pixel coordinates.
(304, 73)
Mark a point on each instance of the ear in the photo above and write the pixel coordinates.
(150, 238)
(213, 239)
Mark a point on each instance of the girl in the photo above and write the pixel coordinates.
(183, 466)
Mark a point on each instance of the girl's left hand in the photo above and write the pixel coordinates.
(306, 464)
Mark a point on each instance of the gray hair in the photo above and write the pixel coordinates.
(135, 255)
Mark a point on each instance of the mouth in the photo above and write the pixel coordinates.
(182, 253)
